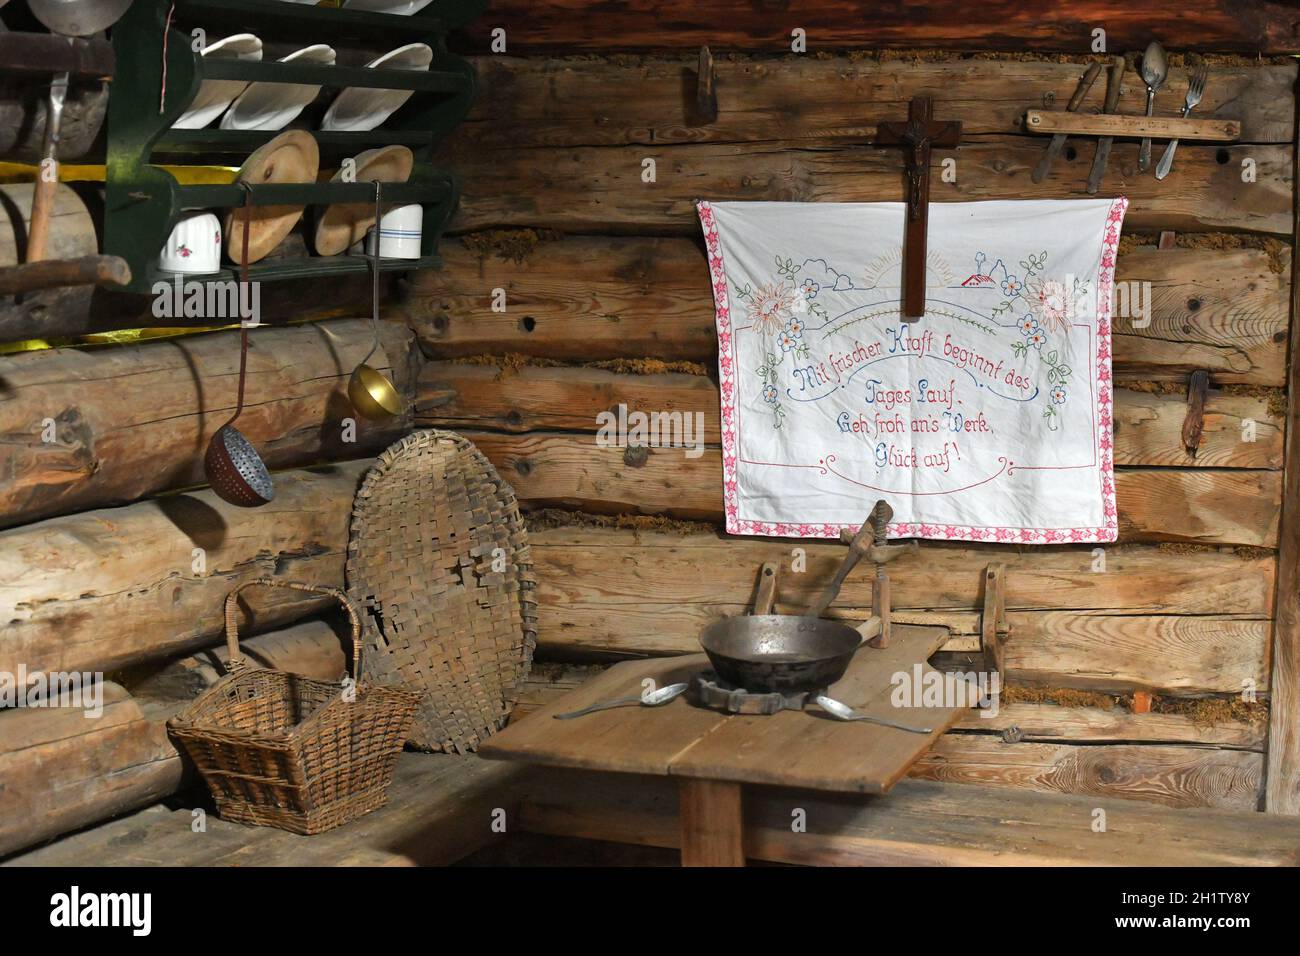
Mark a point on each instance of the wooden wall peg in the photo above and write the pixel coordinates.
(1194, 423)
(993, 622)
(706, 88)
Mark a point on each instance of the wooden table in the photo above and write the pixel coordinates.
(714, 754)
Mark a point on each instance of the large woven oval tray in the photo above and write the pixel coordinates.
(438, 558)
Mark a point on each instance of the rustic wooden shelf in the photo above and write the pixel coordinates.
(1155, 127)
(143, 201)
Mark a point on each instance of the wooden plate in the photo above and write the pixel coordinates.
(292, 157)
(342, 224)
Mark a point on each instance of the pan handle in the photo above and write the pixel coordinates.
(869, 628)
(766, 596)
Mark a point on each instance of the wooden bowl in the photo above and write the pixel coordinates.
(343, 224)
(292, 157)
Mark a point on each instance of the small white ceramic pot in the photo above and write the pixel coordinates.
(194, 245)
(399, 233)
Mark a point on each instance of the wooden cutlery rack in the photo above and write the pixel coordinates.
(144, 201)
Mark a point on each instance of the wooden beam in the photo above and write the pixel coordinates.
(1250, 27)
(1170, 776)
(1282, 790)
(599, 189)
(103, 589)
(1148, 429)
(42, 54)
(526, 102)
(139, 416)
(921, 823)
(64, 768)
(1202, 506)
(585, 298)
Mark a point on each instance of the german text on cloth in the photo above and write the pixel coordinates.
(987, 420)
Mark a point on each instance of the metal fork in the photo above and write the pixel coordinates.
(1195, 90)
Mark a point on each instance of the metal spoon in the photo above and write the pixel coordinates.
(1155, 67)
(845, 712)
(656, 697)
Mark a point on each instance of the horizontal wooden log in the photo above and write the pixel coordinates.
(594, 189)
(533, 101)
(1170, 776)
(1188, 129)
(83, 429)
(1030, 722)
(1148, 427)
(579, 299)
(1143, 618)
(61, 768)
(113, 587)
(572, 471)
(1058, 26)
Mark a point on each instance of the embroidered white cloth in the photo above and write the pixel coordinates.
(987, 420)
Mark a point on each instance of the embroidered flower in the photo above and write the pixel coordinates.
(1058, 394)
(1050, 301)
(1037, 338)
(795, 327)
(769, 394)
(768, 308)
(810, 288)
(786, 341)
(1028, 324)
(1011, 286)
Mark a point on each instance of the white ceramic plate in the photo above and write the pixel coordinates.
(276, 105)
(364, 108)
(403, 8)
(215, 95)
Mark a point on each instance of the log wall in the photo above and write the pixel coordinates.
(113, 556)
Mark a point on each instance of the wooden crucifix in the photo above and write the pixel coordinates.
(916, 136)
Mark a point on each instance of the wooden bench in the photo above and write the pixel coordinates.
(441, 810)
(920, 823)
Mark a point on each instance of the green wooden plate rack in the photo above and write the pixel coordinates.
(143, 201)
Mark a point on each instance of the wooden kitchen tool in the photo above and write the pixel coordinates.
(1058, 141)
(880, 554)
(343, 224)
(1114, 76)
(291, 157)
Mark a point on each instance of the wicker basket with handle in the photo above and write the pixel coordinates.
(282, 750)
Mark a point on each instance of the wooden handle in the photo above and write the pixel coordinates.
(766, 596)
(870, 627)
(88, 270)
(38, 233)
(1154, 127)
(237, 659)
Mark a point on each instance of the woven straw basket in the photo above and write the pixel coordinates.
(281, 750)
(439, 559)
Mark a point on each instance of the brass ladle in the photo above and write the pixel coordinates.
(370, 391)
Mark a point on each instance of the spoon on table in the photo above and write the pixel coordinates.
(845, 712)
(656, 697)
(1155, 67)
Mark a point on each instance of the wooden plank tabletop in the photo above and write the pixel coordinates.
(793, 749)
